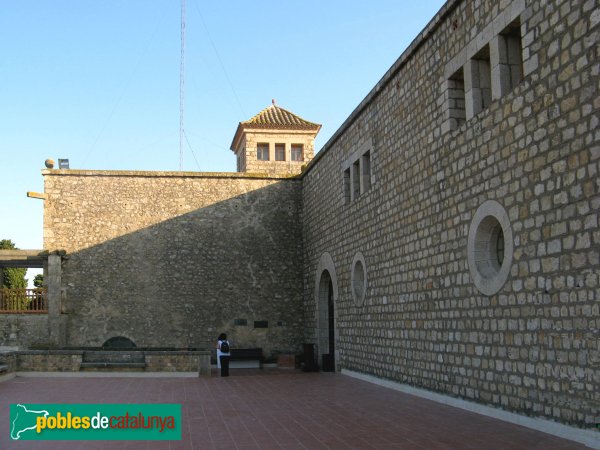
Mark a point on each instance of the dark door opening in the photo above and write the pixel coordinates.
(329, 359)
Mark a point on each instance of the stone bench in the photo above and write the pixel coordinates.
(246, 358)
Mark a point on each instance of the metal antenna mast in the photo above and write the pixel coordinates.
(181, 86)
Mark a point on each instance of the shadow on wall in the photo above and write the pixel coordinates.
(182, 281)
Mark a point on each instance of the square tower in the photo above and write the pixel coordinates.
(275, 142)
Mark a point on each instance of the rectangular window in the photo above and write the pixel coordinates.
(279, 152)
(261, 324)
(346, 186)
(506, 60)
(365, 172)
(455, 98)
(355, 175)
(297, 152)
(262, 152)
(490, 66)
(478, 83)
(240, 322)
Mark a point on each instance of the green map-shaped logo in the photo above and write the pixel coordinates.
(23, 419)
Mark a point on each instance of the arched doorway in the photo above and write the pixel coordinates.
(326, 297)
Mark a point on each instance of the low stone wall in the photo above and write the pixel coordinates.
(181, 361)
(8, 359)
(49, 360)
(70, 361)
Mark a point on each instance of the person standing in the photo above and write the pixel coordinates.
(223, 354)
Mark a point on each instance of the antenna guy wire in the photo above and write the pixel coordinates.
(182, 86)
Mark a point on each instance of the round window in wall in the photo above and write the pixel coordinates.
(358, 279)
(490, 247)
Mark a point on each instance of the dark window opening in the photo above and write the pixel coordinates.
(355, 175)
(365, 175)
(507, 60)
(346, 186)
(500, 246)
(456, 99)
(478, 83)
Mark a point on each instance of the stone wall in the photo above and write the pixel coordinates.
(19, 331)
(69, 360)
(273, 167)
(178, 362)
(533, 346)
(48, 360)
(8, 359)
(452, 220)
(173, 259)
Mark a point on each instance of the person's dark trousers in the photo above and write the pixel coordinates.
(224, 366)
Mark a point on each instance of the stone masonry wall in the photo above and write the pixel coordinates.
(48, 361)
(20, 331)
(173, 259)
(273, 167)
(533, 347)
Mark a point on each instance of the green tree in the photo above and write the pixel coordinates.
(14, 278)
(38, 280)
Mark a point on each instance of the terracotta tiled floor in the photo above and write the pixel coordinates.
(278, 410)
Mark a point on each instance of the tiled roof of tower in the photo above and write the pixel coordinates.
(276, 117)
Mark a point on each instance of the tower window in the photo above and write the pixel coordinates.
(279, 152)
(262, 152)
(297, 152)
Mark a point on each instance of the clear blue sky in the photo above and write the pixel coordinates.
(98, 81)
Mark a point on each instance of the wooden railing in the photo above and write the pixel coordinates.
(24, 301)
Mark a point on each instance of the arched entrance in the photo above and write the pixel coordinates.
(326, 297)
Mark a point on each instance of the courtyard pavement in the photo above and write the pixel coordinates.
(277, 409)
